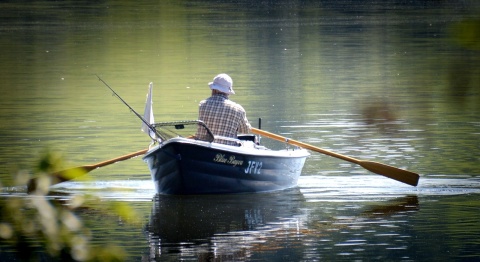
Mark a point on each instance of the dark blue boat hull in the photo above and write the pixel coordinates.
(183, 166)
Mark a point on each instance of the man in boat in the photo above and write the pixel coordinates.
(223, 117)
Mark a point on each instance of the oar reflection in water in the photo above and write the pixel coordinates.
(236, 226)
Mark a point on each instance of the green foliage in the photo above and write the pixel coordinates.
(36, 226)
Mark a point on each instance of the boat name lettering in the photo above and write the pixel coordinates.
(221, 158)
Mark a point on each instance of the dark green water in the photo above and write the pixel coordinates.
(390, 81)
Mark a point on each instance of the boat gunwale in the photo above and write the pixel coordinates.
(259, 152)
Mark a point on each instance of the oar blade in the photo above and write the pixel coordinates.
(395, 173)
(392, 172)
(58, 177)
(72, 173)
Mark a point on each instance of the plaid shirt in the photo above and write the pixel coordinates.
(223, 117)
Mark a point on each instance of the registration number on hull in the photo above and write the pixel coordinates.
(254, 167)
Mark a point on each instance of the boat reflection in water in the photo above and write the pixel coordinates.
(221, 226)
(245, 226)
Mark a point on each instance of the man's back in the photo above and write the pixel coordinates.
(223, 117)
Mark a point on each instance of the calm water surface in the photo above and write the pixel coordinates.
(387, 81)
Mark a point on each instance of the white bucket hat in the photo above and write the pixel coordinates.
(222, 83)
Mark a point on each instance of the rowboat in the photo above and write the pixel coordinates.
(185, 166)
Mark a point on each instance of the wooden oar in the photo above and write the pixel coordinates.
(72, 173)
(398, 174)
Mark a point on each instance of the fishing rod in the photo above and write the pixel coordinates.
(152, 128)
